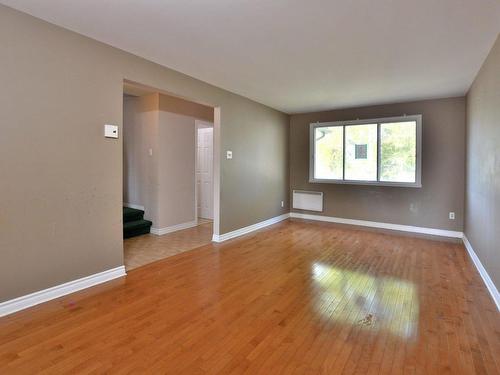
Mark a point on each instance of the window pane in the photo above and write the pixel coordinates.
(361, 152)
(329, 148)
(398, 142)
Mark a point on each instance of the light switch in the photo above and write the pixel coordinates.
(229, 154)
(110, 131)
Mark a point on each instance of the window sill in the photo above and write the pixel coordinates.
(367, 183)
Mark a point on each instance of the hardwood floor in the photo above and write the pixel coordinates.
(149, 248)
(298, 298)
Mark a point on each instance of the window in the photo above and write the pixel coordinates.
(372, 152)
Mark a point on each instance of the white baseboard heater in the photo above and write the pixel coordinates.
(308, 200)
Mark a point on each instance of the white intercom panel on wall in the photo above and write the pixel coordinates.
(111, 131)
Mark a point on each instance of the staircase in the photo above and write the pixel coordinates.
(134, 223)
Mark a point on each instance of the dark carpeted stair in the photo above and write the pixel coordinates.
(134, 223)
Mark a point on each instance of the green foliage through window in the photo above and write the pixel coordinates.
(329, 152)
(397, 152)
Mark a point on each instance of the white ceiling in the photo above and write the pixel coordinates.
(298, 55)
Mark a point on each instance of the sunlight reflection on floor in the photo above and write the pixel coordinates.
(375, 303)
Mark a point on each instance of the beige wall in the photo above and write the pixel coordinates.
(148, 120)
(183, 107)
(132, 134)
(140, 170)
(176, 153)
(443, 158)
(60, 218)
(482, 207)
(164, 182)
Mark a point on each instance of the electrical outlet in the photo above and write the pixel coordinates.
(452, 216)
(282, 204)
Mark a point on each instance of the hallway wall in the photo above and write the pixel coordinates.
(482, 199)
(159, 158)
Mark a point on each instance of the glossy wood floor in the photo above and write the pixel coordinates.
(149, 248)
(299, 298)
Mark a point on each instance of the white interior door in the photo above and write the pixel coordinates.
(204, 173)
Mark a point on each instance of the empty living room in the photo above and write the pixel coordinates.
(250, 187)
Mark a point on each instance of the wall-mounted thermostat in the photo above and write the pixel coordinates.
(110, 131)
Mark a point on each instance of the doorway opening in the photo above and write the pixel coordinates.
(204, 171)
(170, 189)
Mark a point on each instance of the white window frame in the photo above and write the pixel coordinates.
(378, 121)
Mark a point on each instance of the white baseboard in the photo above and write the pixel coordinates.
(250, 228)
(131, 205)
(21, 303)
(482, 271)
(174, 228)
(374, 224)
